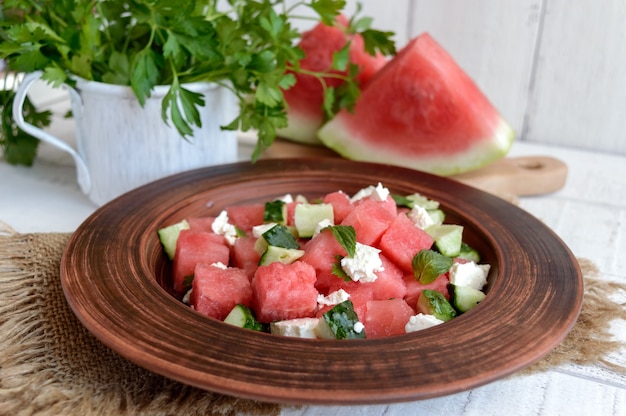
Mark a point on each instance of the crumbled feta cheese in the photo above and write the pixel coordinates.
(220, 265)
(321, 225)
(299, 327)
(259, 230)
(421, 321)
(378, 193)
(364, 264)
(358, 327)
(333, 298)
(288, 198)
(187, 298)
(420, 217)
(469, 274)
(222, 226)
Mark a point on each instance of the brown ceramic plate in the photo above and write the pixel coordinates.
(115, 277)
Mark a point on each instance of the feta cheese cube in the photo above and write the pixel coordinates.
(300, 327)
(364, 264)
(421, 321)
(469, 274)
(359, 327)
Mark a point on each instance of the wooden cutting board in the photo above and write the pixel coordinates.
(509, 177)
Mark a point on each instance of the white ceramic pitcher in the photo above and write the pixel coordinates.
(121, 145)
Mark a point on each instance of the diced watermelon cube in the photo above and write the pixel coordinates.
(403, 240)
(201, 223)
(246, 216)
(192, 248)
(386, 318)
(320, 252)
(244, 255)
(284, 291)
(216, 291)
(326, 280)
(414, 287)
(341, 205)
(370, 220)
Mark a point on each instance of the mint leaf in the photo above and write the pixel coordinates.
(338, 271)
(428, 265)
(279, 236)
(346, 236)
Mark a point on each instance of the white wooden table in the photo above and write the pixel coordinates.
(589, 214)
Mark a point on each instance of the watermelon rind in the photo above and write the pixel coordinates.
(338, 137)
(301, 129)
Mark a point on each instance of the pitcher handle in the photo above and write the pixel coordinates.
(82, 173)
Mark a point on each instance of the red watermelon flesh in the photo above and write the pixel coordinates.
(244, 255)
(192, 248)
(320, 252)
(414, 288)
(421, 111)
(305, 98)
(216, 291)
(370, 219)
(403, 240)
(389, 284)
(386, 318)
(341, 204)
(284, 291)
(201, 223)
(246, 216)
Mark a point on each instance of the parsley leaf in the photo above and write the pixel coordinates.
(19, 147)
(428, 265)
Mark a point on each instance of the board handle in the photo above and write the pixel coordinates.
(521, 176)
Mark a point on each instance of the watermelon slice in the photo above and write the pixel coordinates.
(305, 98)
(421, 111)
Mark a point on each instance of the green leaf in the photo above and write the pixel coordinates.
(328, 9)
(279, 236)
(341, 58)
(19, 148)
(341, 320)
(428, 265)
(144, 74)
(338, 271)
(376, 40)
(181, 107)
(346, 236)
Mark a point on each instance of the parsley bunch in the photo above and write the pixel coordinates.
(248, 46)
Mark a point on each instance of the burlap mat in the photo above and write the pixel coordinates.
(50, 365)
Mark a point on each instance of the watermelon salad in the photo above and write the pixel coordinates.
(418, 109)
(369, 265)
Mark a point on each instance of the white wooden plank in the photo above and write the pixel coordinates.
(492, 40)
(580, 88)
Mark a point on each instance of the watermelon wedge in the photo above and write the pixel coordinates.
(304, 100)
(421, 111)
